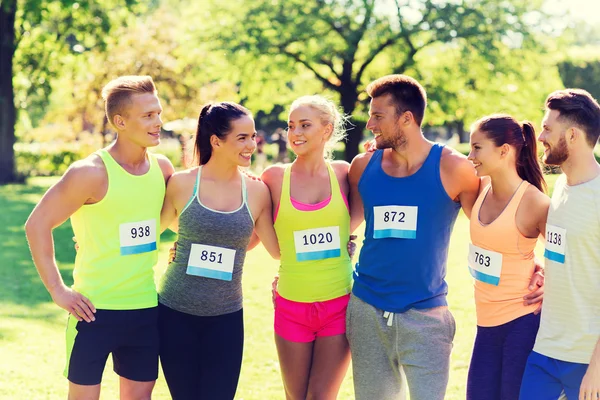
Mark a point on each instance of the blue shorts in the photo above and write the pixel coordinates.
(546, 378)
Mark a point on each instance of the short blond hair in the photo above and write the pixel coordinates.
(330, 114)
(117, 93)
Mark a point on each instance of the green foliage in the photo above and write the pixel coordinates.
(342, 42)
(54, 34)
(583, 73)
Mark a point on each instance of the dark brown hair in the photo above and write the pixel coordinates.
(501, 129)
(117, 93)
(578, 107)
(408, 94)
(215, 119)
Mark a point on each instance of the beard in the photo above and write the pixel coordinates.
(559, 154)
(397, 141)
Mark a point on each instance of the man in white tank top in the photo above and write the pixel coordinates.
(566, 356)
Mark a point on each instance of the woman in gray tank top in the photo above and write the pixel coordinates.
(217, 208)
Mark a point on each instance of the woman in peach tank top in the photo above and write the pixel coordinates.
(508, 217)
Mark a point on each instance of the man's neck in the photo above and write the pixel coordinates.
(580, 168)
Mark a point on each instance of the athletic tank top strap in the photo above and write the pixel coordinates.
(205, 279)
(410, 217)
(118, 237)
(315, 265)
(501, 261)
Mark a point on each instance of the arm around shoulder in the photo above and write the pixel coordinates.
(263, 221)
(459, 179)
(357, 167)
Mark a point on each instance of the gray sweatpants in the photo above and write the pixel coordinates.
(390, 351)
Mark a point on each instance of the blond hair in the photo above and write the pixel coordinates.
(329, 114)
(117, 93)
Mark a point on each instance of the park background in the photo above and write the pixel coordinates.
(474, 57)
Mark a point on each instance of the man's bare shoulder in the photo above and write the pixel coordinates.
(90, 170)
(452, 159)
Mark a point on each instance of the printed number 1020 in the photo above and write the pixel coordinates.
(318, 238)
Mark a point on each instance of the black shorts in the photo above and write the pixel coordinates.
(130, 335)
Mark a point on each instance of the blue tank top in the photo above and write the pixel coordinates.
(402, 264)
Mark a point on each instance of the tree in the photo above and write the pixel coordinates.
(339, 40)
(582, 73)
(35, 34)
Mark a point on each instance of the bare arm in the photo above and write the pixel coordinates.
(459, 179)
(590, 385)
(79, 185)
(357, 167)
(263, 225)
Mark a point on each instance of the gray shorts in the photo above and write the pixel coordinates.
(393, 351)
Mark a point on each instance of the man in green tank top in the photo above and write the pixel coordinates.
(113, 198)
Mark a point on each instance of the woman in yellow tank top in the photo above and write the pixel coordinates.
(508, 217)
(312, 222)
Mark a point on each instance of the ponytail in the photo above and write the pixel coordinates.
(504, 129)
(215, 119)
(528, 164)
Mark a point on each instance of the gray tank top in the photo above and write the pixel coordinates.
(205, 279)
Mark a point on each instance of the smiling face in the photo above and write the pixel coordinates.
(553, 138)
(306, 132)
(140, 120)
(385, 124)
(240, 142)
(484, 154)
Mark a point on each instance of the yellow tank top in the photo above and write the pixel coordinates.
(501, 260)
(315, 265)
(118, 238)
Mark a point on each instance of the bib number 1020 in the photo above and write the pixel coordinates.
(319, 238)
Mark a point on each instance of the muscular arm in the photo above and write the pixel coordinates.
(168, 170)
(590, 385)
(82, 183)
(357, 167)
(263, 225)
(459, 179)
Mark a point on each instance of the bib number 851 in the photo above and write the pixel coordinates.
(211, 256)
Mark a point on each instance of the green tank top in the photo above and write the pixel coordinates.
(118, 239)
(315, 265)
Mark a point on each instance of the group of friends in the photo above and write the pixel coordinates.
(389, 313)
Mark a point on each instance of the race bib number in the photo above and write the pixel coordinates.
(395, 222)
(317, 244)
(137, 237)
(485, 265)
(211, 262)
(556, 242)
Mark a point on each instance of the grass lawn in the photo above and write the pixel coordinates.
(32, 346)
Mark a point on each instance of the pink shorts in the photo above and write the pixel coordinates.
(304, 322)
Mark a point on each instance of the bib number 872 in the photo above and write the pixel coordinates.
(395, 216)
(140, 232)
(318, 238)
(482, 260)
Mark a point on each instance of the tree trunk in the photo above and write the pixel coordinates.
(7, 106)
(349, 97)
(462, 133)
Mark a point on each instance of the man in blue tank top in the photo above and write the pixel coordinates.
(410, 191)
